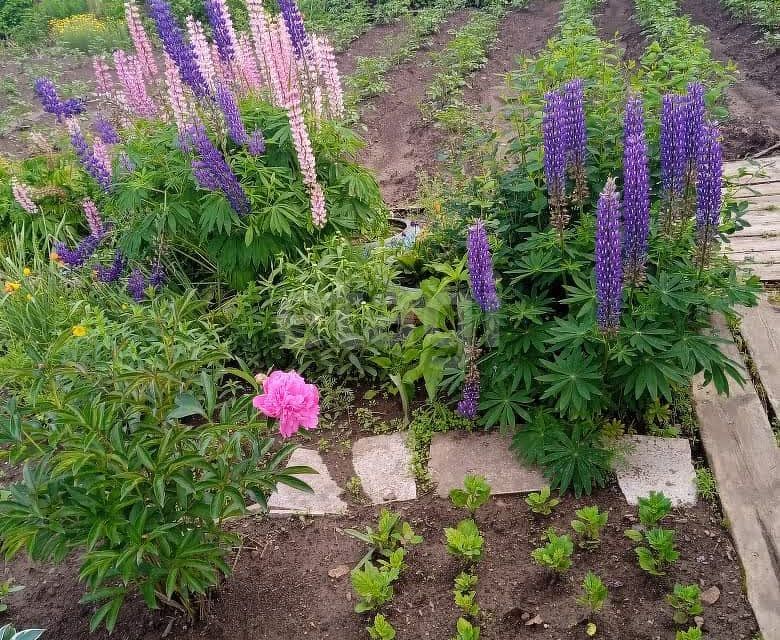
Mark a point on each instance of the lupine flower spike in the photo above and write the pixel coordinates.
(112, 272)
(636, 193)
(555, 135)
(480, 265)
(51, 103)
(609, 269)
(576, 137)
(23, 196)
(468, 406)
(136, 285)
(709, 183)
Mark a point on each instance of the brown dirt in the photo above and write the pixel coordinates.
(369, 44)
(615, 22)
(401, 144)
(754, 101)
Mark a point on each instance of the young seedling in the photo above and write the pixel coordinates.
(475, 493)
(556, 554)
(381, 629)
(686, 602)
(373, 586)
(6, 589)
(693, 633)
(466, 631)
(541, 503)
(465, 541)
(390, 534)
(654, 508)
(589, 525)
(594, 593)
(661, 553)
(465, 594)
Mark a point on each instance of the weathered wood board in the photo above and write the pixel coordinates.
(744, 456)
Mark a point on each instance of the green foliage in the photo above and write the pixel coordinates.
(475, 493)
(693, 633)
(654, 508)
(706, 484)
(589, 525)
(542, 502)
(466, 631)
(686, 602)
(660, 552)
(381, 629)
(390, 534)
(594, 593)
(465, 541)
(373, 586)
(465, 594)
(6, 589)
(7, 632)
(765, 13)
(556, 554)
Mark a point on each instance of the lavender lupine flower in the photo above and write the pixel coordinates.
(609, 268)
(674, 154)
(293, 20)
(106, 131)
(177, 47)
(576, 135)
(468, 406)
(636, 193)
(480, 263)
(158, 277)
(51, 103)
(94, 220)
(221, 28)
(136, 285)
(212, 171)
(82, 252)
(86, 156)
(695, 117)
(709, 184)
(555, 137)
(227, 104)
(256, 144)
(112, 272)
(126, 163)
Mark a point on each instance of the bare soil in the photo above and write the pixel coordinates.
(369, 44)
(615, 22)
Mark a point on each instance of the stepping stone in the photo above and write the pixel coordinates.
(384, 466)
(457, 454)
(325, 499)
(657, 464)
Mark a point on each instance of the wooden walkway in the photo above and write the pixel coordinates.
(757, 247)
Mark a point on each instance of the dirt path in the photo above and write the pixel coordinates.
(369, 44)
(754, 101)
(615, 21)
(401, 145)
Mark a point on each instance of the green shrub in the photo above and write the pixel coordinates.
(686, 602)
(465, 541)
(542, 502)
(588, 526)
(373, 586)
(556, 554)
(475, 493)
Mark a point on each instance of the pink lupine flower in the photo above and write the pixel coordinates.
(261, 38)
(325, 60)
(94, 220)
(319, 215)
(102, 154)
(129, 71)
(23, 196)
(248, 63)
(183, 114)
(287, 397)
(200, 44)
(143, 47)
(105, 83)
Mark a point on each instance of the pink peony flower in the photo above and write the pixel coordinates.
(286, 396)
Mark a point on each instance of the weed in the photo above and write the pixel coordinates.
(706, 485)
(542, 503)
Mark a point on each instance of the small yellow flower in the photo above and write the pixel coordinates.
(26, 272)
(79, 331)
(55, 256)
(12, 287)
(29, 298)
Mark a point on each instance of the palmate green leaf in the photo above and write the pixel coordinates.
(503, 406)
(651, 376)
(530, 441)
(578, 460)
(574, 383)
(644, 336)
(570, 334)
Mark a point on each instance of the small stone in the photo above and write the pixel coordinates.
(699, 621)
(339, 572)
(349, 596)
(525, 616)
(711, 595)
(537, 619)
(255, 554)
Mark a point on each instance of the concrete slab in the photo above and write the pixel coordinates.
(325, 499)
(657, 464)
(383, 464)
(457, 454)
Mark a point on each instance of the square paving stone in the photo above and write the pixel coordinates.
(657, 464)
(384, 466)
(457, 454)
(325, 499)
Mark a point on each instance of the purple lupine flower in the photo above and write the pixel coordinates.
(212, 171)
(51, 103)
(136, 285)
(126, 163)
(293, 20)
(709, 185)
(221, 28)
(576, 133)
(256, 144)
(82, 252)
(468, 406)
(480, 263)
(636, 192)
(667, 142)
(695, 116)
(177, 47)
(227, 104)
(112, 272)
(158, 277)
(609, 268)
(555, 134)
(86, 156)
(106, 131)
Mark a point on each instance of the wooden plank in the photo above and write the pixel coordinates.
(761, 330)
(749, 191)
(767, 227)
(745, 459)
(758, 171)
(764, 272)
(753, 245)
